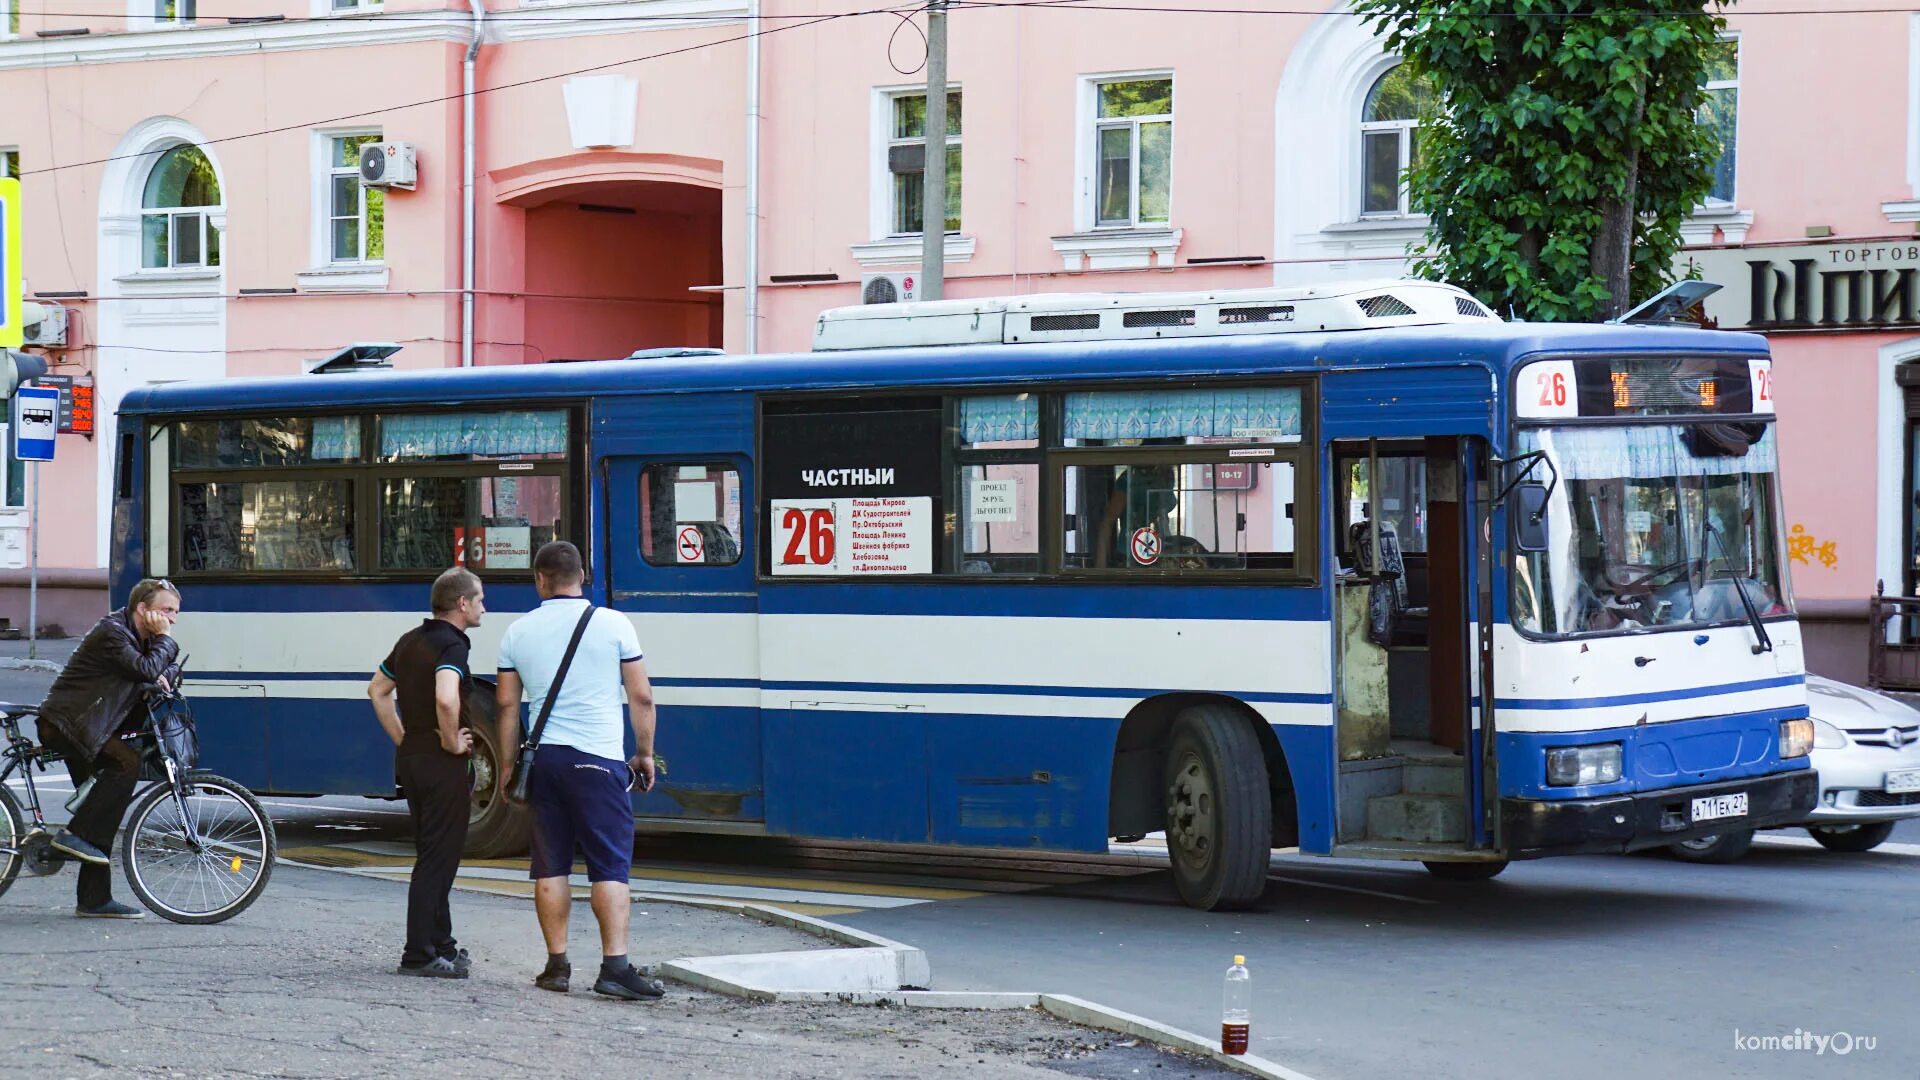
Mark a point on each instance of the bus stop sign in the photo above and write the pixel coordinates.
(12, 317)
(36, 411)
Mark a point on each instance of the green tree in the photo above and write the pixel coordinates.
(1565, 146)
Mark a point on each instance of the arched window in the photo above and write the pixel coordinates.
(174, 231)
(1387, 122)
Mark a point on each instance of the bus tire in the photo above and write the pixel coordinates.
(1466, 871)
(1723, 847)
(1852, 837)
(496, 829)
(1219, 809)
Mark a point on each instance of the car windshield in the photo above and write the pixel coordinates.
(1653, 527)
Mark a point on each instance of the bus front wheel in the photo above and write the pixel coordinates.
(496, 828)
(1219, 809)
(1723, 847)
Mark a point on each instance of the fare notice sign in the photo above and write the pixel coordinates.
(852, 537)
(12, 325)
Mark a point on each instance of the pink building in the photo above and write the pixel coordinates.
(643, 178)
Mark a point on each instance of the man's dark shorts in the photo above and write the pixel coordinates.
(580, 800)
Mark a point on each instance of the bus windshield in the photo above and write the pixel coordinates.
(1653, 527)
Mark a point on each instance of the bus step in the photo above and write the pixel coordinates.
(1430, 819)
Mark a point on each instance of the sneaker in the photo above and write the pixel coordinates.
(628, 985)
(72, 846)
(439, 967)
(557, 978)
(112, 909)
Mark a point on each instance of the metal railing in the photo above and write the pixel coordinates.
(1893, 653)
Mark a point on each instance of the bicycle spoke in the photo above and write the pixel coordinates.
(202, 853)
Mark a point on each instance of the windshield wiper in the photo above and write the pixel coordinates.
(1740, 586)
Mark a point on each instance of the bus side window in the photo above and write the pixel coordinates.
(995, 443)
(689, 514)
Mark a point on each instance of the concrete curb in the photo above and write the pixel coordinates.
(1090, 1014)
(19, 663)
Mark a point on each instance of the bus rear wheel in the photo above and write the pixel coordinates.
(496, 829)
(1219, 810)
(1465, 871)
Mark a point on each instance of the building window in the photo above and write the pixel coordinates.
(344, 6)
(1133, 138)
(9, 161)
(14, 495)
(907, 163)
(9, 18)
(1720, 111)
(173, 12)
(356, 213)
(1389, 122)
(174, 229)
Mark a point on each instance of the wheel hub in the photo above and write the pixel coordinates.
(1190, 812)
(37, 856)
(480, 762)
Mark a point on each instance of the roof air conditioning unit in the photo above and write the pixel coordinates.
(890, 287)
(389, 164)
(45, 325)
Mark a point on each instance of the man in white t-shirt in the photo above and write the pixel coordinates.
(578, 789)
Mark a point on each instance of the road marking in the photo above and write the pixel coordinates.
(1810, 842)
(1350, 888)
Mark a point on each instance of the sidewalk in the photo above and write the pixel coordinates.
(301, 986)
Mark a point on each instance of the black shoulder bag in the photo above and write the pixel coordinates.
(523, 765)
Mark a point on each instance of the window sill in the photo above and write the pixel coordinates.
(158, 276)
(344, 277)
(898, 251)
(1384, 223)
(1897, 212)
(1119, 248)
(1727, 219)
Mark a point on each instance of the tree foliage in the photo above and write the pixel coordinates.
(1566, 146)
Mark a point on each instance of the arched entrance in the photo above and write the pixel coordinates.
(612, 246)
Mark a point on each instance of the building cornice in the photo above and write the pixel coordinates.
(552, 20)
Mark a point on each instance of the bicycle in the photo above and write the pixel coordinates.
(199, 847)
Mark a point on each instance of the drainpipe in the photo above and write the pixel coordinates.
(753, 176)
(466, 182)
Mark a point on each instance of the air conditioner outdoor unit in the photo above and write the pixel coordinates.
(890, 287)
(45, 324)
(389, 164)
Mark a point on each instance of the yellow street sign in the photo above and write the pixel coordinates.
(12, 330)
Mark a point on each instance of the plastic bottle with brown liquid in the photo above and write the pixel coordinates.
(1236, 1008)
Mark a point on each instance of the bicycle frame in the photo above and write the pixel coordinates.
(21, 754)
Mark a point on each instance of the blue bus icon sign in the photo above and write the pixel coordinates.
(36, 411)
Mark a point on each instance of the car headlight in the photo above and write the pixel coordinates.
(1578, 766)
(1826, 736)
(1796, 737)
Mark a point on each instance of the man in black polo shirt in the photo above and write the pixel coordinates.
(427, 672)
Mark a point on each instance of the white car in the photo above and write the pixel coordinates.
(1866, 747)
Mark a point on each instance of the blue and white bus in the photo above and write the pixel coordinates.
(1359, 570)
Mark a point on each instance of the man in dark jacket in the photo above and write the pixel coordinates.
(91, 704)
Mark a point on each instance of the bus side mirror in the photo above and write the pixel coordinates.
(1527, 506)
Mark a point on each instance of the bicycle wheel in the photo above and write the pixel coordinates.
(210, 880)
(13, 829)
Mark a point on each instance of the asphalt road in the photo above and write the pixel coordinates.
(1596, 967)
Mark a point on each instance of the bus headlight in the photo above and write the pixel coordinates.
(1796, 737)
(1826, 736)
(1578, 766)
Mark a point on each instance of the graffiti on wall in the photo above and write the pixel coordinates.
(1804, 547)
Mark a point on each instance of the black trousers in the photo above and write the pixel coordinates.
(438, 794)
(97, 819)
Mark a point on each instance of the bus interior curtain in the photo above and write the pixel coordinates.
(1249, 412)
(999, 418)
(1642, 452)
(487, 434)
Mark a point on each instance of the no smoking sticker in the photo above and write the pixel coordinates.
(688, 546)
(1146, 546)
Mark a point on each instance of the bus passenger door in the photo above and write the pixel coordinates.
(679, 563)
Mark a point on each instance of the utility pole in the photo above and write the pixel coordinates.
(933, 201)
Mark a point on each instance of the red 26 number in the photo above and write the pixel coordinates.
(1553, 389)
(809, 537)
